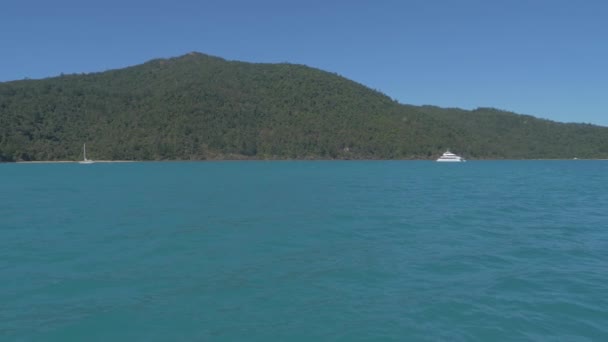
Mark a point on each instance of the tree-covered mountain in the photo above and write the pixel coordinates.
(203, 107)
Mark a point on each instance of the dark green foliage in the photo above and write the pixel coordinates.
(202, 107)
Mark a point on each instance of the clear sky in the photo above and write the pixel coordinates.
(547, 58)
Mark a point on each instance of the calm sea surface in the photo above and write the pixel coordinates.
(304, 250)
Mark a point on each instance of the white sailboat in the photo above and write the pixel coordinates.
(85, 160)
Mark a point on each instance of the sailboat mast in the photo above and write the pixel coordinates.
(84, 149)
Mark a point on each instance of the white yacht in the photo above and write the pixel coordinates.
(85, 160)
(450, 157)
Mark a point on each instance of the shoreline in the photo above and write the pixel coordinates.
(219, 160)
(70, 161)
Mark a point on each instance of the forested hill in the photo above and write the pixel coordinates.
(202, 107)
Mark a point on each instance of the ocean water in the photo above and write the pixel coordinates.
(304, 251)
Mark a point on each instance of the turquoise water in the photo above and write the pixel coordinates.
(275, 251)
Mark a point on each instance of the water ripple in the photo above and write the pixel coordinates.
(305, 251)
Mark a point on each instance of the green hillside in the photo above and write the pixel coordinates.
(202, 107)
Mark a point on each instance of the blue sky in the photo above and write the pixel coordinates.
(547, 58)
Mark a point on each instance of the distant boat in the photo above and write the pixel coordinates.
(85, 160)
(448, 156)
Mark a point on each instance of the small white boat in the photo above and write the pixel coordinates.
(85, 160)
(448, 156)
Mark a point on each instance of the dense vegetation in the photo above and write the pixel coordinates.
(202, 107)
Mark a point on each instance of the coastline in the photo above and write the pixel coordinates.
(70, 161)
(277, 159)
